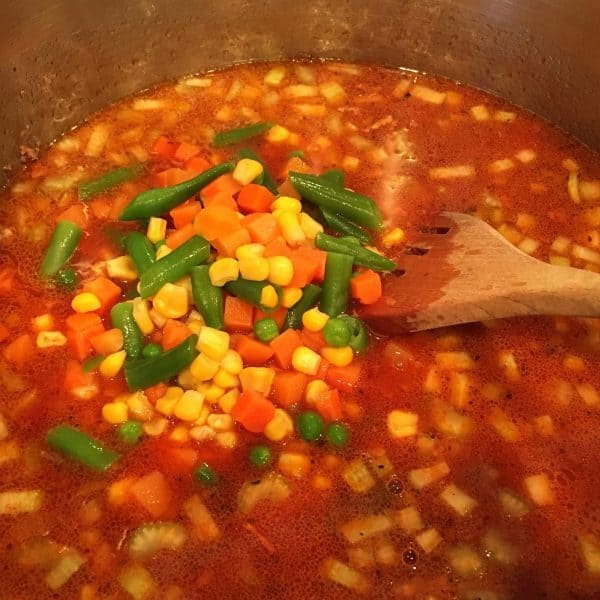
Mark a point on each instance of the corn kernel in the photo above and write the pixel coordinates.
(115, 412)
(246, 251)
(204, 368)
(227, 401)
(141, 315)
(254, 269)
(275, 75)
(121, 267)
(112, 364)
(281, 270)
(402, 424)
(43, 322)
(223, 271)
(225, 379)
(269, 297)
(218, 422)
(232, 362)
(287, 203)
(290, 296)
(50, 339)
(157, 229)
(158, 319)
(213, 343)
(315, 390)
(310, 227)
(280, 426)
(139, 407)
(393, 238)
(166, 404)
(340, 357)
(186, 379)
(247, 170)
(289, 225)
(227, 439)
(186, 284)
(195, 326)
(277, 134)
(202, 433)
(350, 163)
(306, 360)
(163, 251)
(258, 379)
(314, 319)
(179, 434)
(294, 464)
(189, 406)
(212, 392)
(171, 301)
(194, 316)
(85, 302)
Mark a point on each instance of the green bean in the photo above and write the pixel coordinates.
(141, 250)
(91, 364)
(267, 179)
(353, 206)
(174, 265)
(208, 298)
(342, 225)
(143, 373)
(359, 336)
(151, 351)
(336, 285)
(66, 278)
(333, 177)
(81, 447)
(296, 154)
(89, 189)
(362, 256)
(251, 291)
(153, 203)
(121, 316)
(63, 243)
(310, 296)
(266, 329)
(241, 134)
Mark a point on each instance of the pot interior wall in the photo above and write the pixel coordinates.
(60, 60)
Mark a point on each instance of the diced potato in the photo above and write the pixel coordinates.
(498, 548)
(385, 553)
(525, 156)
(464, 560)
(501, 165)
(429, 539)
(505, 427)
(97, 140)
(513, 505)
(563, 392)
(15, 502)
(508, 363)
(204, 527)
(381, 465)
(363, 528)
(294, 464)
(480, 112)
(420, 478)
(362, 557)
(346, 576)
(588, 393)
(504, 116)
(460, 389)
(452, 422)
(409, 520)
(590, 190)
(455, 172)
(590, 549)
(544, 425)
(560, 245)
(402, 424)
(458, 500)
(427, 94)
(510, 233)
(539, 489)
(454, 361)
(68, 564)
(401, 88)
(137, 582)
(358, 477)
(432, 383)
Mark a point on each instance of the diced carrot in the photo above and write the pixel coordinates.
(77, 381)
(225, 183)
(295, 163)
(366, 287)
(105, 290)
(253, 352)
(163, 147)
(180, 236)
(108, 341)
(323, 368)
(100, 208)
(278, 247)
(305, 267)
(255, 198)
(38, 169)
(288, 387)
(83, 321)
(185, 151)
(313, 339)
(4, 333)
(284, 345)
(156, 337)
(253, 411)
(278, 314)
(82, 327)
(185, 213)
(7, 281)
(153, 493)
(329, 405)
(319, 257)
(19, 351)
(197, 164)
(343, 378)
(237, 315)
(262, 227)
(118, 204)
(174, 332)
(155, 392)
(216, 222)
(228, 244)
(75, 214)
(177, 459)
(172, 176)
(223, 199)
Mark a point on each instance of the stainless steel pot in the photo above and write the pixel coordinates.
(60, 60)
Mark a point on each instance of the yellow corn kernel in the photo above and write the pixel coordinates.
(85, 302)
(112, 364)
(166, 404)
(50, 339)
(277, 134)
(218, 422)
(281, 270)
(204, 368)
(157, 229)
(227, 401)
(213, 343)
(223, 270)
(43, 322)
(225, 379)
(179, 434)
(306, 360)
(227, 439)
(155, 427)
(269, 297)
(280, 426)
(115, 412)
(254, 269)
(232, 362)
(340, 357)
(289, 225)
(290, 296)
(246, 251)
(314, 319)
(186, 284)
(315, 390)
(189, 406)
(247, 170)
(163, 251)
(186, 379)
(275, 75)
(212, 392)
(310, 227)
(121, 267)
(287, 204)
(158, 319)
(393, 238)
(294, 464)
(258, 379)
(139, 406)
(141, 315)
(195, 326)
(171, 301)
(402, 424)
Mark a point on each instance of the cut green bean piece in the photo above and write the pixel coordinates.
(251, 291)
(310, 296)
(352, 206)
(359, 336)
(241, 134)
(121, 316)
(143, 373)
(91, 364)
(362, 256)
(66, 278)
(296, 154)
(81, 447)
(208, 298)
(89, 189)
(336, 285)
(336, 333)
(267, 179)
(343, 225)
(141, 250)
(334, 177)
(174, 265)
(153, 203)
(63, 243)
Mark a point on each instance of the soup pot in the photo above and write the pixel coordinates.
(60, 60)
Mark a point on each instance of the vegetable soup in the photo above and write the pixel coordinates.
(190, 403)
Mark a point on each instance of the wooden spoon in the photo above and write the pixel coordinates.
(461, 270)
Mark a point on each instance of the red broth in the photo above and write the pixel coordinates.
(507, 412)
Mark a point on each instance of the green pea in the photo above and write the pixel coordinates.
(205, 476)
(310, 425)
(260, 456)
(67, 278)
(337, 434)
(266, 329)
(151, 351)
(130, 432)
(336, 332)
(359, 337)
